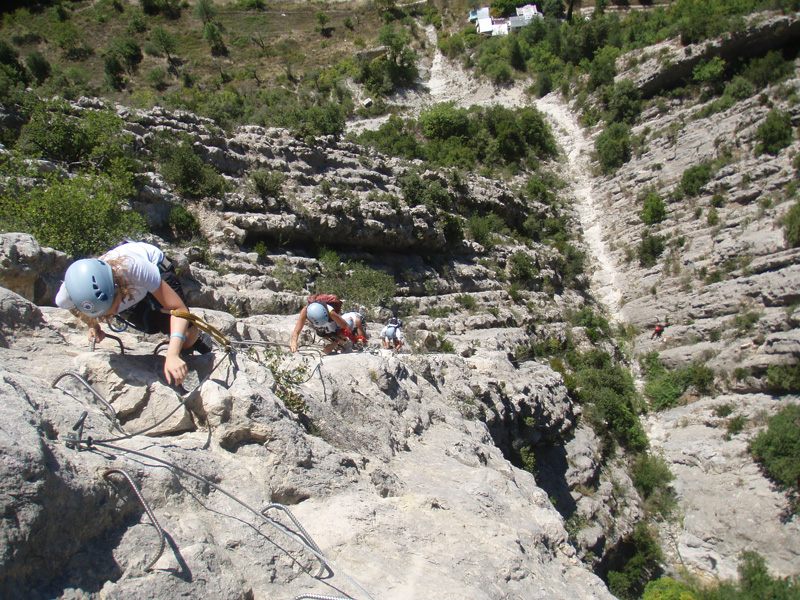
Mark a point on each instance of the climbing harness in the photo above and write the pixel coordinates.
(147, 509)
(75, 440)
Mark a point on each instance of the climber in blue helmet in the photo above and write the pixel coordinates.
(325, 321)
(137, 282)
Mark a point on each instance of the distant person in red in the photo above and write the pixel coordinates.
(658, 330)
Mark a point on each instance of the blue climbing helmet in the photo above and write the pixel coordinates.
(90, 285)
(317, 314)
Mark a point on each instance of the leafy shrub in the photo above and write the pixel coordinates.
(182, 222)
(39, 66)
(613, 147)
(777, 448)
(130, 54)
(609, 396)
(355, 282)
(83, 215)
(649, 249)
(791, 226)
(653, 209)
(775, 133)
(771, 68)
(665, 388)
(755, 582)
(735, 424)
(694, 178)
(91, 139)
(183, 168)
(157, 78)
(593, 322)
(651, 476)
(603, 67)
(268, 184)
(467, 301)
(667, 589)
(114, 71)
(623, 101)
(442, 121)
(784, 378)
(261, 250)
(522, 269)
(644, 562)
(483, 228)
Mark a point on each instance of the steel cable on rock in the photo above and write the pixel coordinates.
(302, 538)
(306, 543)
(147, 508)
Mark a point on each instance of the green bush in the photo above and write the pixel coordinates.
(775, 133)
(755, 583)
(664, 388)
(84, 215)
(39, 66)
(157, 78)
(467, 301)
(482, 229)
(623, 101)
(268, 184)
(649, 249)
(613, 147)
(522, 268)
(653, 209)
(668, 589)
(694, 178)
(768, 69)
(644, 562)
(784, 378)
(182, 222)
(603, 67)
(777, 449)
(651, 476)
(186, 171)
(355, 282)
(609, 396)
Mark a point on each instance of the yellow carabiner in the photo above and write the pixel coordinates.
(202, 325)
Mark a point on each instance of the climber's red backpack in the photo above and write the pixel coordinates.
(331, 299)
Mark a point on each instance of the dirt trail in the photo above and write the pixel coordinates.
(606, 279)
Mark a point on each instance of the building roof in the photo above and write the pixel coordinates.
(485, 25)
(499, 29)
(529, 11)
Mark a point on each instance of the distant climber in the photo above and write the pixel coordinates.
(392, 335)
(657, 330)
(136, 282)
(356, 323)
(326, 322)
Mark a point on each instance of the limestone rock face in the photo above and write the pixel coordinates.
(726, 285)
(388, 460)
(30, 270)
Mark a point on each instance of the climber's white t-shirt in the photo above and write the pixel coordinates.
(140, 269)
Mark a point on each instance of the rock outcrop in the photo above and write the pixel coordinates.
(388, 470)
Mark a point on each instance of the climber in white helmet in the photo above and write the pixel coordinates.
(134, 281)
(325, 321)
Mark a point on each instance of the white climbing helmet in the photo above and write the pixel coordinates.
(90, 285)
(317, 314)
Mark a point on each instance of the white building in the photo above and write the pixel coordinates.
(485, 24)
